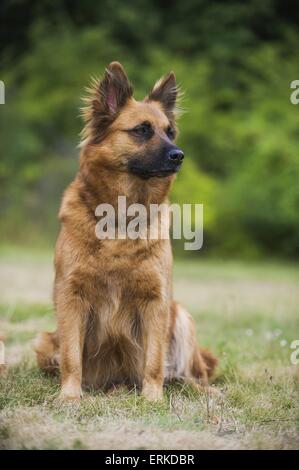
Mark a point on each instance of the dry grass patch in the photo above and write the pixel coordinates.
(247, 315)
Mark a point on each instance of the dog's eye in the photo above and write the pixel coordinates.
(143, 130)
(170, 133)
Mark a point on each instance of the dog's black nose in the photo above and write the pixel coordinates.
(176, 155)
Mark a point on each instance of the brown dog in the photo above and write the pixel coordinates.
(117, 322)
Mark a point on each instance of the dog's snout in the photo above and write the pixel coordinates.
(176, 156)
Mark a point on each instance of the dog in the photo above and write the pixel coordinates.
(117, 323)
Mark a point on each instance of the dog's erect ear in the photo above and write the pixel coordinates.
(114, 90)
(166, 92)
(105, 98)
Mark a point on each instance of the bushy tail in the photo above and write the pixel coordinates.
(187, 358)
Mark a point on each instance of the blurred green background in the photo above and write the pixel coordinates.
(240, 133)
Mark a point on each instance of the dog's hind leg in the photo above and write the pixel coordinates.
(185, 359)
(46, 347)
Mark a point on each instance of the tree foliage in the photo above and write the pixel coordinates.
(235, 61)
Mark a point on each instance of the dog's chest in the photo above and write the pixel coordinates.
(128, 285)
(123, 296)
(114, 340)
(127, 292)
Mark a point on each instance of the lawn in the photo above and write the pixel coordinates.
(247, 313)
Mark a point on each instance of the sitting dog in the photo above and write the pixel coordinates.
(117, 321)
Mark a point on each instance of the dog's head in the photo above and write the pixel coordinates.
(130, 135)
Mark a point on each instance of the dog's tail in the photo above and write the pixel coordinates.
(186, 357)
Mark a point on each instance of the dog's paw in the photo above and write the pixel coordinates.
(66, 397)
(70, 392)
(152, 392)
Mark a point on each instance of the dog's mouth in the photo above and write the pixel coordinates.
(146, 173)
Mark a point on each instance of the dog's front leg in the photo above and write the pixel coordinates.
(152, 384)
(71, 325)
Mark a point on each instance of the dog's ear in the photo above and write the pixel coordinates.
(114, 90)
(166, 92)
(105, 98)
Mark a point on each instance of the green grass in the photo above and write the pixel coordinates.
(22, 312)
(246, 313)
(225, 269)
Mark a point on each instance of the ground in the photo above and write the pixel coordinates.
(247, 313)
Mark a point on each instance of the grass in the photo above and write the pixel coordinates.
(246, 313)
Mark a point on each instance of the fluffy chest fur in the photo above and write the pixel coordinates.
(117, 322)
(123, 284)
